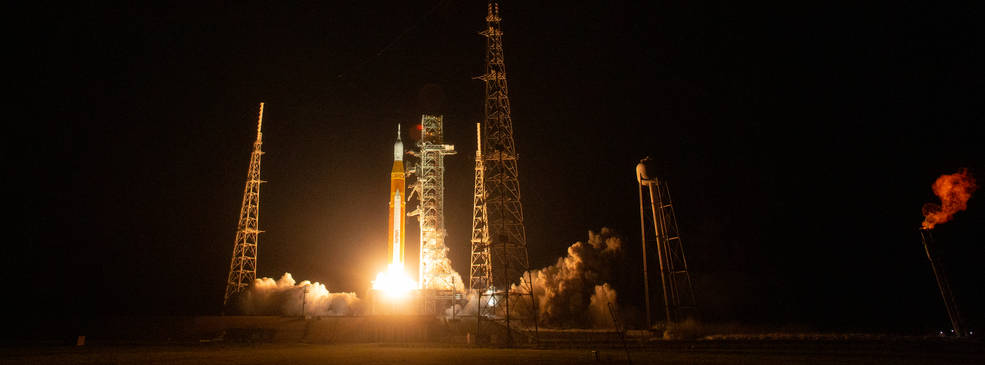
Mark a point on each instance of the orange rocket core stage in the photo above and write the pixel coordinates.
(396, 220)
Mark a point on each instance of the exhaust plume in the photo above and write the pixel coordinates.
(286, 297)
(954, 190)
(574, 292)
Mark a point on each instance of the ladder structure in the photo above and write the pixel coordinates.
(658, 226)
(243, 268)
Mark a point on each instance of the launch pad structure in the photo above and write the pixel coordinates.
(499, 272)
(439, 284)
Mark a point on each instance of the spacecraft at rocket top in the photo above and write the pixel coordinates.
(395, 240)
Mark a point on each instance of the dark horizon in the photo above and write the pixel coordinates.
(800, 143)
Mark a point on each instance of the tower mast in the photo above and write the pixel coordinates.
(480, 272)
(507, 236)
(243, 268)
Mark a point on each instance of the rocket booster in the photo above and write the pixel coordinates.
(395, 240)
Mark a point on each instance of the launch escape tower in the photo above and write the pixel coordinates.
(657, 208)
(503, 235)
(435, 269)
(243, 268)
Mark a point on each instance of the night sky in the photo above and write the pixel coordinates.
(800, 142)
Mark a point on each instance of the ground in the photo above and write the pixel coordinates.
(681, 353)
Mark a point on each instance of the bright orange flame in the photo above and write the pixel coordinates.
(954, 190)
(393, 282)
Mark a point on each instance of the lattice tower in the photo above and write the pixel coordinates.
(435, 268)
(243, 268)
(507, 236)
(480, 272)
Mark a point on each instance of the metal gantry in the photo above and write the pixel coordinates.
(243, 268)
(507, 241)
(657, 209)
(435, 268)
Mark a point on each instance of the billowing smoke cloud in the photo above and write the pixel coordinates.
(574, 292)
(954, 190)
(285, 296)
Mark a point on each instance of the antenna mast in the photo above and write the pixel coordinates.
(243, 268)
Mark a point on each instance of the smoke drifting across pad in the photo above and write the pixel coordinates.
(286, 297)
(574, 292)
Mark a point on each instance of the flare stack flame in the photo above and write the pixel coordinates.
(954, 190)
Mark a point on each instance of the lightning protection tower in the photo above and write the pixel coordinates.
(480, 271)
(243, 268)
(657, 209)
(507, 238)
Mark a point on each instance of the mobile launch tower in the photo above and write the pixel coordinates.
(439, 283)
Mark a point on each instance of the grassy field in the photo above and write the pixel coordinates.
(747, 353)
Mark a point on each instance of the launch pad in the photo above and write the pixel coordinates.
(429, 302)
(499, 237)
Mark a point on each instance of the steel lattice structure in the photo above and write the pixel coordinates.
(435, 269)
(480, 269)
(507, 239)
(657, 209)
(243, 268)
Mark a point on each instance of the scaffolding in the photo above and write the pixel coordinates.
(435, 272)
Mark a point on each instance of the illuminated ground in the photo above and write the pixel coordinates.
(680, 353)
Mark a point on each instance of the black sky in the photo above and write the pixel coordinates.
(801, 141)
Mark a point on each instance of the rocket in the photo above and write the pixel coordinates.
(395, 238)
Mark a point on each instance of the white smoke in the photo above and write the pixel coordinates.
(285, 296)
(574, 292)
